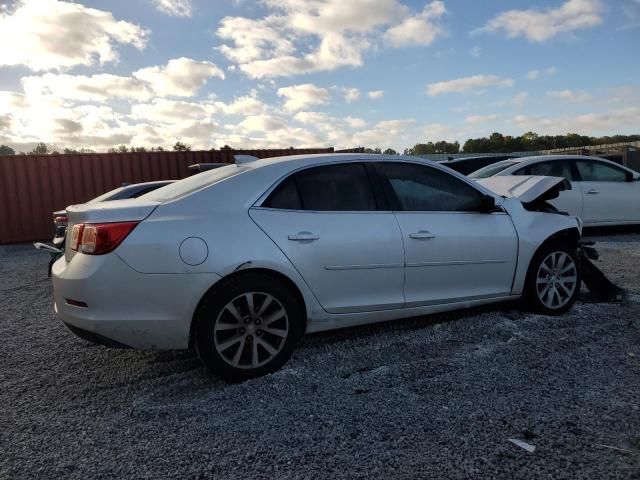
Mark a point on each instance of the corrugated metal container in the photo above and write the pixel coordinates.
(34, 186)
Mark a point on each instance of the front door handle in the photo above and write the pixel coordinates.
(422, 235)
(593, 191)
(304, 237)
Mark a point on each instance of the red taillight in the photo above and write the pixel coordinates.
(61, 220)
(76, 236)
(99, 238)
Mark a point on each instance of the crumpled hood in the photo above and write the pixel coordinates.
(526, 188)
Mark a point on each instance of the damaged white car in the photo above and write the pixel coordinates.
(241, 261)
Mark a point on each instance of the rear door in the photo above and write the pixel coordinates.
(454, 251)
(609, 196)
(327, 221)
(570, 201)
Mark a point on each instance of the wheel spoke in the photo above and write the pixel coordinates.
(266, 302)
(254, 353)
(225, 326)
(544, 292)
(277, 315)
(276, 331)
(566, 290)
(542, 280)
(545, 267)
(272, 351)
(569, 267)
(228, 343)
(249, 299)
(568, 279)
(236, 357)
(231, 308)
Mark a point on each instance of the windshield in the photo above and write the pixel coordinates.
(191, 184)
(491, 170)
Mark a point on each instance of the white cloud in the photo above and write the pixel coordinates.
(171, 111)
(84, 88)
(465, 84)
(301, 96)
(519, 98)
(263, 123)
(438, 131)
(384, 133)
(421, 29)
(376, 94)
(297, 37)
(350, 94)
(547, 72)
(541, 25)
(480, 118)
(46, 35)
(175, 8)
(475, 51)
(617, 121)
(243, 105)
(569, 95)
(355, 122)
(181, 77)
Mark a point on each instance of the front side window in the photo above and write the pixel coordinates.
(554, 168)
(592, 171)
(343, 187)
(422, 188)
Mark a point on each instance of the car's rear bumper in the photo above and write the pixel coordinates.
(104, 300)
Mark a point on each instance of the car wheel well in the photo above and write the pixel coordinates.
(246, 272)
(569, 236)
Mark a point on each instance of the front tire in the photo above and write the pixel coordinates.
(248, 326)
(553, 280)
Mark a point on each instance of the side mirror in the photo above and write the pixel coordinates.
(489, 204)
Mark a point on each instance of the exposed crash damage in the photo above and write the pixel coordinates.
(535, 192)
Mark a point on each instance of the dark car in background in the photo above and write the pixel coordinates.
(467, 165)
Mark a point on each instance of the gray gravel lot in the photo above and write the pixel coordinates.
(434, 397)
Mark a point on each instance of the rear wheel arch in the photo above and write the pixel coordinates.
(245, 273)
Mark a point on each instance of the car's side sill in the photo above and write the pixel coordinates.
(344, 320)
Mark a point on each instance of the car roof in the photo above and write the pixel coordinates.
(535, 158)
(320, 158)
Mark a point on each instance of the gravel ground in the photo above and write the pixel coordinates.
(434, 397)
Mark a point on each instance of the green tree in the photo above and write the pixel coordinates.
(5, 150)
(40, 149)
(390, 151)
(181, 147)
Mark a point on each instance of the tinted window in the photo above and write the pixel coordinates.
(421, 188)
(557, 168)
(491, 170)
(335, 188)
(285, 196)
(600, 172)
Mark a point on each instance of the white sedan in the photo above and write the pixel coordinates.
(602, 192)
(241, 261)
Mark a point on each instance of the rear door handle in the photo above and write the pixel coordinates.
(303, 236)
(422, 235)
(593, 191)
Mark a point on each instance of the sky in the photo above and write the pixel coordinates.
(314, 73)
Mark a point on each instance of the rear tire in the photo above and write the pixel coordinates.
(248, 326)
(553, 280)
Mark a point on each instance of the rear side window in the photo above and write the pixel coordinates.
(285, 196)
(558, 168)
(422, 188)
(344, 187)
(591, 171)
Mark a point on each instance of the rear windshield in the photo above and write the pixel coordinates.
(196, 182)
(491, 170)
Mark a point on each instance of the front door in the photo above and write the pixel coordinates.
(608, 195)
(453, 251)
(326, 221)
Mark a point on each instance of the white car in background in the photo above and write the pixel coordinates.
(241, 261)
(602, 192)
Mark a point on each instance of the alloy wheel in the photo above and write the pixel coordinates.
(556, 281)
(251, 330)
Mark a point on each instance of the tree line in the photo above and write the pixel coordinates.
(494, 143)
